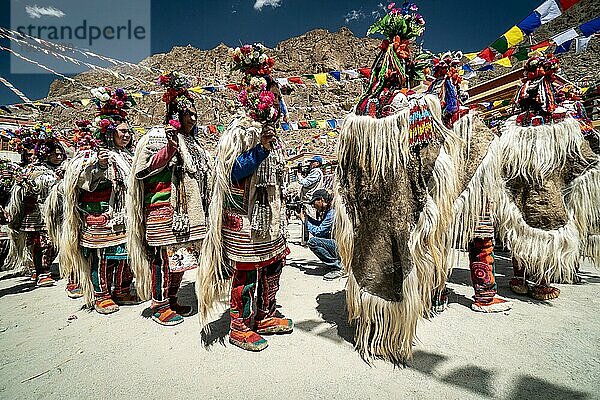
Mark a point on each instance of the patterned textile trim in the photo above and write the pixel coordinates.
(485, 224)
(96, 237)
(157, 188)
(97, 196)
(159, 228)
(33, 222)
(3, 235)
(246, 266)
(183, 258)
(239, 199)
(238, 247)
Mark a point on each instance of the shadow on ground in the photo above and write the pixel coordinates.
(332, 308)
(309, 267)
(480, 380)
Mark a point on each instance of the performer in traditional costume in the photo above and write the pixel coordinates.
(167, 203)
(30, 192)
(400, 171)
(246, 241)
(447, 86)
(8, 171)
(93, 245)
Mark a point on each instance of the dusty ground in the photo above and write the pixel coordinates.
(537, 350)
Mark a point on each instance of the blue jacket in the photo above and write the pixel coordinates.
(321, 229)
(248, 162)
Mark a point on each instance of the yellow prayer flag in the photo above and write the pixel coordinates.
(85, 102)
(538, 52)
(505, 62)
(321, 78)
(197, 89)
(136, 94)
(140, 130)
(497, 103)
(331, 134)
(585, 89)
(514, 36)
(470, 56)
(322, 124)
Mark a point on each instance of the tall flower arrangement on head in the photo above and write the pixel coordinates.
(176, 85)
(399, 62)
(111, 107)
(34, 139)
(261, 104)
(83, 137)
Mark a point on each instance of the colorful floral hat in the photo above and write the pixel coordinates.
(112, 106)
(83, 136)
(177, 96)
(536, 102)
(41, 139)
(260, 103)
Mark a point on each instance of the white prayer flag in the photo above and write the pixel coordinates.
(548, 10)
(565, 36)
(581, 43)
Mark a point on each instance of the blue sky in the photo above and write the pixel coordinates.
(456, 25)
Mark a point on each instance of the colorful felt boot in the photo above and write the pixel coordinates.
(543, 292)
(247, 340)
(184, 311)
(497, 304)
(105, 306)
(74, 291)
(45, 280)
(126, 299)
(274, 325)
(164, 315)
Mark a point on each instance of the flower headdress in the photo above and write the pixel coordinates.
(41, 139)
(111, 111)
(252, 60)
(260, 103)
(177, 96)
(83, 137)
(536, 100)
(447, 85)
(398, 63)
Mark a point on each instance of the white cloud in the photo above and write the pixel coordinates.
(36, 11)
(354, 15)
(259, 4)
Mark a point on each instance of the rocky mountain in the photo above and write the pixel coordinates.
(313, 52)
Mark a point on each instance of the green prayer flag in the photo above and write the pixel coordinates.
(500, 45)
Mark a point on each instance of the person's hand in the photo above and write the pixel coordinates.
(171, 133)
(103, 156)
(267, 137)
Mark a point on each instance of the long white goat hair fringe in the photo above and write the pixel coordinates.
(70, 257)
(135, 229)
(211, 282)
(384, 328)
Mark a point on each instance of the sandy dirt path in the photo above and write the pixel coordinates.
(537, 350)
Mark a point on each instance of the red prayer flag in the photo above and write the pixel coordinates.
(233, 86)
(68, 103)
(509, 53)
(366, 72)
(487, 54)
(539, 45)
(295, 79)
(566, 4)
(212, 128)
(303, 124)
